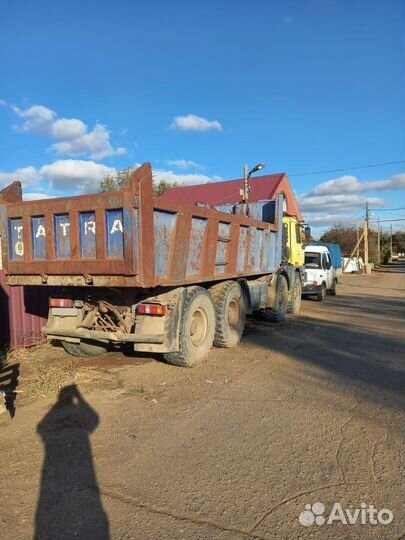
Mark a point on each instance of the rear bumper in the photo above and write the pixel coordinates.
(117, 337)
(309, 289)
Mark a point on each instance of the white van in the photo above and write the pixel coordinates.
(320, 276)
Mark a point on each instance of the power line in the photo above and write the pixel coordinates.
(386, 220)
(350, 168)
(391, 214)
(387, 209)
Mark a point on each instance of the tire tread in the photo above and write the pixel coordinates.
(219, 293)
(179, 358)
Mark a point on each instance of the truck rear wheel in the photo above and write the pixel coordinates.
(197, 329)
(230, 313)
(85, 348)
(296, 295)
(280, 309)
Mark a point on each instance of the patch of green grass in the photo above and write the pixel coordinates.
(135, 391)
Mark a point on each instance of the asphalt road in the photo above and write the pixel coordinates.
(309, 411)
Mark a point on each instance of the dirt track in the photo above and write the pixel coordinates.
(308, 411)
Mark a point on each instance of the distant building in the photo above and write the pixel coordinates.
(228, 192)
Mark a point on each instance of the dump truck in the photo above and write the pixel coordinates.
(131, 268)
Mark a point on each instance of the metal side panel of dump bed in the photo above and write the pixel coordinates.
(131, 238)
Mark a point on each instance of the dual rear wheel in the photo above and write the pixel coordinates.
(214, 317)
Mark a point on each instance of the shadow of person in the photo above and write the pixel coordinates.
(9, 378)
(69, 505)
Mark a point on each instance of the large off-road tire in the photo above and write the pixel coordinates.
(85, 348)
(296, 295)
(197, 329)
(230, 313)
(280, 309)
(321, 295)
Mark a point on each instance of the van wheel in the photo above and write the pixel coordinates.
(332, 292)
(296, 295)
(230, 313)
(280, 310)
(197, 329)
(85, 348)
(321, 293)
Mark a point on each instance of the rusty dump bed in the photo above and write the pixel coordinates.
(131, 239)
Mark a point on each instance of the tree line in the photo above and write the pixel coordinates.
(346, 237)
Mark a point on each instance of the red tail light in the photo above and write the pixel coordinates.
(60, 302)
(152, 309)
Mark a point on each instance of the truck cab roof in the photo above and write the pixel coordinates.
(316, 249)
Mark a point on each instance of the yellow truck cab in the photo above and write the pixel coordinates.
(293, 241)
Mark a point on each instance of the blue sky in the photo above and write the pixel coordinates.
(199, 88)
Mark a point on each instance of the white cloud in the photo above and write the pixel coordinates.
(95, 143)
(184, 179)
(328, 220)
(37, 119)
(333, 201)
(76, 174)
(27, 175)
(66, 128)
(192, 122)
(72, 175)
(351, 184)
(344, 202)
(185, 164)
(345, 194)
(73, 136)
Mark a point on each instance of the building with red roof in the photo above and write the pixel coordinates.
(265, 187)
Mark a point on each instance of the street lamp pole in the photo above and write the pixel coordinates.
(246, 180)
(245, 195)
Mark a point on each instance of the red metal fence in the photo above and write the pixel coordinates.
(23, 313)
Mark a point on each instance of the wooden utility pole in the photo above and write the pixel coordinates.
(353, 252)
(391, 242)
(366, 235)
(378, 243)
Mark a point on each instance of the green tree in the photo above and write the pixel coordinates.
(346, 237)
(164, 185)
(115, 182)
(398, 242)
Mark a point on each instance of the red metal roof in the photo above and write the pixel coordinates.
(263, 187)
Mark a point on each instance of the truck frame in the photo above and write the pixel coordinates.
(130, 267)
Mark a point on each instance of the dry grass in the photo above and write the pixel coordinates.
(43, 371)
(25, 354)
(49, 379)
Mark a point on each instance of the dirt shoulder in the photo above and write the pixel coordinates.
(303, 412)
